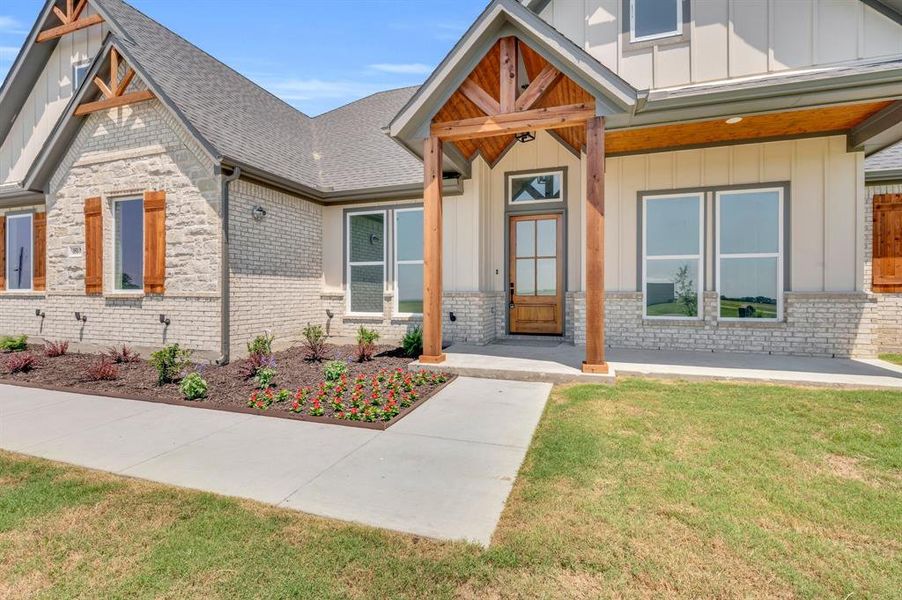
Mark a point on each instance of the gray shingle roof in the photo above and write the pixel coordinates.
(888, 159)
(344, 149)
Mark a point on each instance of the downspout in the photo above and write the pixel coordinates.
(225, 288)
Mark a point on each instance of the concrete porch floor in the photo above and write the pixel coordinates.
(556, 362)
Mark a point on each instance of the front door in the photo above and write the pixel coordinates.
(536, 294)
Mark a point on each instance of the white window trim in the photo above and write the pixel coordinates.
(656, 36)
(700, 257)
(75, 67)
(349, 264)
(778, 255)
(510, 187)
(11, 217)
(116, 287)
(396, 301)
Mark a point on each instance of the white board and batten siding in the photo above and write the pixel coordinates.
(48, 99)
(730, 38)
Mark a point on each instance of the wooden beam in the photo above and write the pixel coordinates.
(432, 252)
(594, 362)
(114, 68)
(481, 98)
(528, 120)
(123, 85)
(115, 102)
(63, 17)
(538, 87)
(78, 10)
(56, 32)
(508, 82)
(102, 86)
(70, 8)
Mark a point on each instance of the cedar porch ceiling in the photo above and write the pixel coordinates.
(565, 92)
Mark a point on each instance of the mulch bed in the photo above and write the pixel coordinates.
(227, 388)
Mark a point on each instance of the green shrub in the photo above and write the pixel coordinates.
(315, 342)
(265, 377)
(366, 343)
(13, 344)
(334, 370)
(412, 342)
(170, 363)
(262, 344)
(193, 386)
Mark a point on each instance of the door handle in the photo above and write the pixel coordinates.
(511, 297)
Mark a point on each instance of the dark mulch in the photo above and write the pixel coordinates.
(226, 386)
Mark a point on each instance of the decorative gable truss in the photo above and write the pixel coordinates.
(114, 90)
(71, 20)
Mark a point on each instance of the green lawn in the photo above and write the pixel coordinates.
(893, 358)
(730, 309)
(640, 489)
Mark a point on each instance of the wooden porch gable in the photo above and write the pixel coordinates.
(512, 90)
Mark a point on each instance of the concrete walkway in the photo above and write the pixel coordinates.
(560, 362)
(444, 471)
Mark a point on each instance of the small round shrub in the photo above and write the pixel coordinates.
(412, 342)
(193, 386)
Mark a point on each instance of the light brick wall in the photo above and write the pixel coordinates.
(889, 306)
(276, 264)
(475, 315)
(816, 324)
(122, 153)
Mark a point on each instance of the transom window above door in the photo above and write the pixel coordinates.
(526, 188)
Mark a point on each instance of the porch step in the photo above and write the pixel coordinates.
(513, 363)
(537, 341)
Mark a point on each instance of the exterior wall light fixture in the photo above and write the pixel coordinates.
(258, 213)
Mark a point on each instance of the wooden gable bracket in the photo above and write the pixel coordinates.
(114, 92)
(70, 21)
(513, 112)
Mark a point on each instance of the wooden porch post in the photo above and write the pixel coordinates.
(594, 362)
(432, 252)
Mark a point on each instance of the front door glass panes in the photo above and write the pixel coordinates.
(536, 261)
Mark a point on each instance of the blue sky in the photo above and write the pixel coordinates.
(315, 54)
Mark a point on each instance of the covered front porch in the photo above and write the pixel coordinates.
(561, 362)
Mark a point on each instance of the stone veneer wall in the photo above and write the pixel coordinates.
(122, 153)
(276, 265)
(889, 306)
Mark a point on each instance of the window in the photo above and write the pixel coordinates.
(408, 239)
(653, 19)
(750, 254)
(672, 242)
(128, 228)
(366, 262)
(79, 72)
(19, 245)
(535, 187)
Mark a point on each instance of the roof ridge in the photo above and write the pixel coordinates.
(213, 58)
(367, 97)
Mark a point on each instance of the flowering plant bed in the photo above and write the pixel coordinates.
(371, 394)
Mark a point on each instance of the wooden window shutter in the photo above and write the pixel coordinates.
(39, 275)
(2, 252)
(154, 242)
(93, 246)
(887, 265)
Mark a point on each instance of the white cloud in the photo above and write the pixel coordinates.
(403, 68)
(11, 26)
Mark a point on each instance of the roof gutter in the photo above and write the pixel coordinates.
(224, 283)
